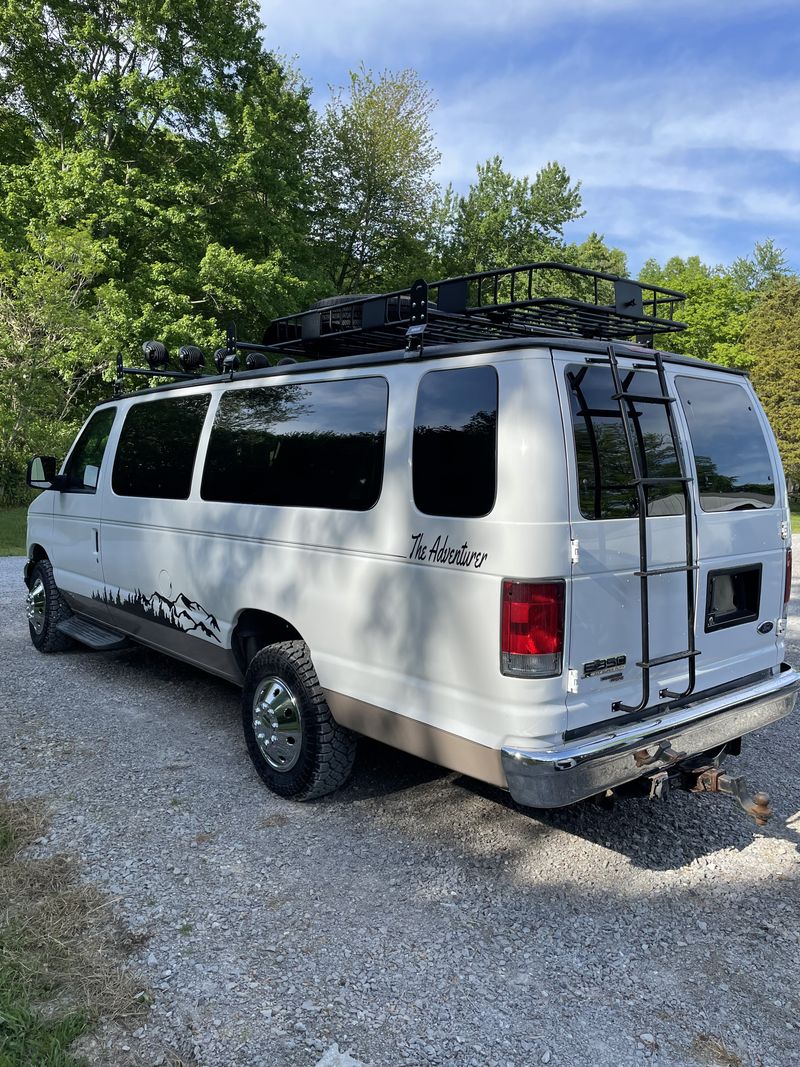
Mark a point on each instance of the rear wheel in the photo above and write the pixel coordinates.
(296, 745)
(46, 608)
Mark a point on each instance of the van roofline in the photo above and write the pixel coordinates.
(430, 354)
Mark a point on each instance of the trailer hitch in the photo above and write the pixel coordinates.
(716, 780)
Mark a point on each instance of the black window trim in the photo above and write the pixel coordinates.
(88, 490)
(137, 402)
(258, 383)
(459, 518)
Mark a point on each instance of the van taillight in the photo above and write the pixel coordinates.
(532, 633)
(787, 584)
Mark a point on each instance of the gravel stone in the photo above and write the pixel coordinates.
(416, 917)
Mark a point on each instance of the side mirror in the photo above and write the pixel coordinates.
(42, 472)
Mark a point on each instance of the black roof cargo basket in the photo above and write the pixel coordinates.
(549, 300)
(538, 299)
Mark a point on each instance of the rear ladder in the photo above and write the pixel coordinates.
(645, 573)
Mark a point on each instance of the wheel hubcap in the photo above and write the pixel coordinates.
(35, 605)
(276, 724)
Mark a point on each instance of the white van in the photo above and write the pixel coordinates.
(521, 546)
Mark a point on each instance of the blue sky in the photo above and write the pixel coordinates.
(682, 120)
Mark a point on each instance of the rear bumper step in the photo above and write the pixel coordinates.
(554, 778)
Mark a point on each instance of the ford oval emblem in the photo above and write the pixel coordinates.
(765, 627)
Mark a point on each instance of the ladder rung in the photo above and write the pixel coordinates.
(686, 654)
(641, 398)
(666, 570)
(662, 481)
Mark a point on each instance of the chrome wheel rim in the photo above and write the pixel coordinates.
(277, 725)
(35, 603)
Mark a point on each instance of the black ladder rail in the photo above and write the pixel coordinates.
(689, 527)
(644, 573)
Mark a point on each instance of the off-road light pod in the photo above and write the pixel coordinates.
(191, 357)
(532, 628)
(155, 353)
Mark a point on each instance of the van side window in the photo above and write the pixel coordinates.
(319, 445)
(605, 471)
(157, 447)
(734, 470)
(83, 466)
(454, 459)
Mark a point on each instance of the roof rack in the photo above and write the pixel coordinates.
(537, 299)
(546, 299)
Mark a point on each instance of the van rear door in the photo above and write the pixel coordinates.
(734, 535)
(742, 524)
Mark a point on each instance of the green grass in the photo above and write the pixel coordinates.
(26, 1037)
(28, 1034)
(62, 957)
(795, 520)
(12, 536)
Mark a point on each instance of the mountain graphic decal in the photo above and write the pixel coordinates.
(181, 613)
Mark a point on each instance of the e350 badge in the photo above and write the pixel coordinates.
(611, 664)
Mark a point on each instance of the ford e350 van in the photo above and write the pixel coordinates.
(497, 528)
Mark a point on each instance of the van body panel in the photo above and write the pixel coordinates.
(401, 610)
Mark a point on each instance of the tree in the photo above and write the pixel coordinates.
(595, 254)
(502, 221)
(719, 301)
(375, 181)
(766, 264)
(773, 338)
(715, 311)
(154, 182)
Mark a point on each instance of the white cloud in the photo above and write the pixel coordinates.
(379, 31)
(672, 158)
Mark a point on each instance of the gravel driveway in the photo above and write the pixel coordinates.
(415, 917)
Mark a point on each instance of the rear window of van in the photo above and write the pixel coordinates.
(734, 469)
(606, 488)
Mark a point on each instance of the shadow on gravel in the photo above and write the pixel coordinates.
(652, 835)
(381, 771)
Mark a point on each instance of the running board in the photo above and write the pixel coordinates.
(92, 634)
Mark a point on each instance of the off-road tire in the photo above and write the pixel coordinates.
(55, 611)
(327, 750)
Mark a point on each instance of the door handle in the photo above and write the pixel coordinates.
(97, 542)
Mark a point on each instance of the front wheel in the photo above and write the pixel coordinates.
(46, 608)
(296, 745)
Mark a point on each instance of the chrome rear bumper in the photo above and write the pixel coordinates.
(553, 778)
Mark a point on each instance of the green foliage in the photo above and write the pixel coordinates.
(715, 311)
(773, 338)
(13, 525)
(154, 183)
(502, 220)
(26, 1036)
(375, 186)
(719, 301)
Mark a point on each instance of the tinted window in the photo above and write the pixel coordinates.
(83, 466)
(157, 447)
(734, 472)
(605, 471)
(455, 442)
(311, 446)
